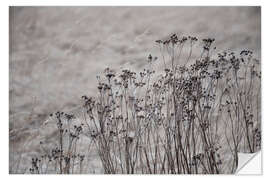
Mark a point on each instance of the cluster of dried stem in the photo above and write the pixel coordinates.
(63, 158)
(189, 120)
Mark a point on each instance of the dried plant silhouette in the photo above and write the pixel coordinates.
(191, 119)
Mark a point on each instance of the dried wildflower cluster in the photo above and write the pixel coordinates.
(175, 123)
(62, 158)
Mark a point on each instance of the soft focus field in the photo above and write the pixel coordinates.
(56, 53)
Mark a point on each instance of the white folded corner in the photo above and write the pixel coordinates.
(249, 164)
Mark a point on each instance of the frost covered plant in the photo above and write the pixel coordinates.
(193, 118)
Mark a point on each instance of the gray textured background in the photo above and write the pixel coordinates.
(56, 52)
